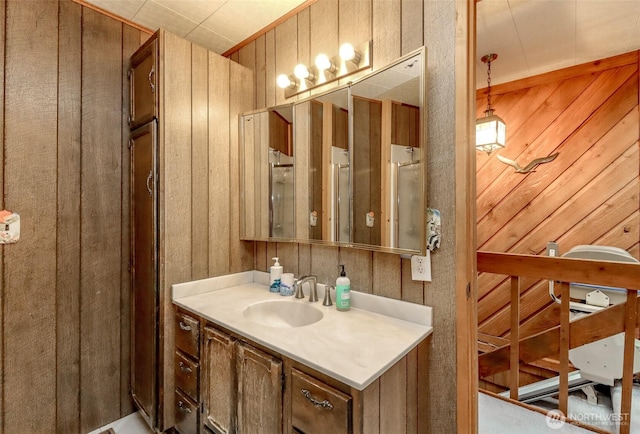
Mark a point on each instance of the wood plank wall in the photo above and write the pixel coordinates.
(64, 326)
(588, 195)
(396, 27)
(202, 94)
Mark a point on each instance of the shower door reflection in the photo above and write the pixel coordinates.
(281, 195)
(407, 209)
(342, 214)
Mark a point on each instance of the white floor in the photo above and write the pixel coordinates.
(132, 424)
(500, 417)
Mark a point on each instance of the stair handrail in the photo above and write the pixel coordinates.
(565, 270)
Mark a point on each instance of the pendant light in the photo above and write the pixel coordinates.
(491, 129)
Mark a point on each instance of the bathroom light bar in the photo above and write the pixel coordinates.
(351, 59)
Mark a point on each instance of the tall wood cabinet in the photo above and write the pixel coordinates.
(185, 103)
(144, 270)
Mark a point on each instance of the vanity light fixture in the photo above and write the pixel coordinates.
(491, 130)
(285, 82)
(326, 69)
(301, 72)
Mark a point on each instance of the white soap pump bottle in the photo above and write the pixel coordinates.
(275, 275)
(343, 291)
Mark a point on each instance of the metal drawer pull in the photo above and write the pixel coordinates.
(185, 327)
(184, 368)
(183, 408)
(323, 404)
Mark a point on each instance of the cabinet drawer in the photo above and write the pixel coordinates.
(317, 407)
(186, 414)
(187, 331)
(187, 375)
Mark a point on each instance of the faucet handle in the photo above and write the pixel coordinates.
(327, 295)
(299, 292)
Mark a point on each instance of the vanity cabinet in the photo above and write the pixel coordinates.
(260, 385)
(219, 380)
(242, 386)
(187, 373)
(246, 388)
(317, 407)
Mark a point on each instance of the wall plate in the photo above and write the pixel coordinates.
(421, 267)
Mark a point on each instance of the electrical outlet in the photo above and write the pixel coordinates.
(421, 267)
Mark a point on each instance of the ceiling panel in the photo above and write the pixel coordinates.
(530, 36)
(619, 18)
(194, 10)
(154, 16)
(231, 23)
(497, 33)
(122, 8)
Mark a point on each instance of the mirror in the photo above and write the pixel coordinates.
(322, 145)
(387, 174)
(267, 177)
(356, 154)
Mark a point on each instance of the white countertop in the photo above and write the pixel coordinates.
(354, 347)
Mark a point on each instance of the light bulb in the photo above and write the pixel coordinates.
(323, 62)
(347, 52)
(301, 71)
(283, 81)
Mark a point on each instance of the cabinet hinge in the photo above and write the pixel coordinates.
(283, 381)
(129, 74)
(130, 145)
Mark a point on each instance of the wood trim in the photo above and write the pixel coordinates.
(565, 339)
(617, 274)
(585, 330)
(514, 353)
(269, 27)
(385, 157)
(327, 217)
(630, 323)
(114, 16)
(466, 282)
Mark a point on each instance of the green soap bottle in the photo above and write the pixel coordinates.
(343, 291)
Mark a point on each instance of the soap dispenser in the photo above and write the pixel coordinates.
(343, 291)
(275, 275)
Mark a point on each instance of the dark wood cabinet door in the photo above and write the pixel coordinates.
(144, 84)
(219, 381)
(144, 294)
(259, 392)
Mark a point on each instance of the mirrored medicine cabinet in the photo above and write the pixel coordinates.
(345, 167)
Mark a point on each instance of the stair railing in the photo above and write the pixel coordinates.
(566, 270)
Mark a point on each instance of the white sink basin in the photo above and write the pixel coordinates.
(282, 313)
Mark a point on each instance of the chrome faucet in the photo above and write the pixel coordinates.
(313, 292)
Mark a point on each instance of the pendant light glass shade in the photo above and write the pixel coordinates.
(491, 131)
